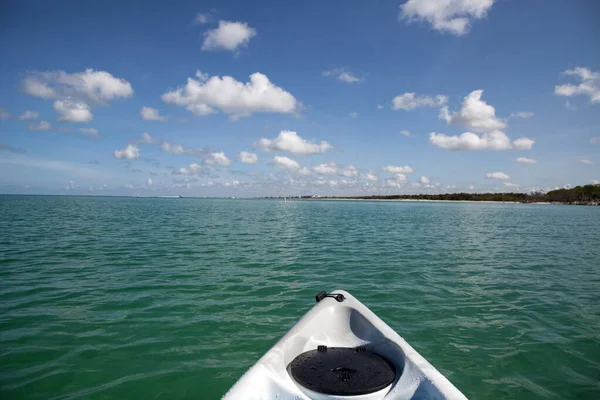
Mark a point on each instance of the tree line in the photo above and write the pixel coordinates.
(587, 194)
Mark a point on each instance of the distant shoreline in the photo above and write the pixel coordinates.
(426, 200)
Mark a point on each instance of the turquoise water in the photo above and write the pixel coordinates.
(130, 298)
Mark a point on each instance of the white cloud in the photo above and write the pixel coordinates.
(481, 117)
(285, 163)
(130, 152)
(475, 114)
(523, 143)
(398, 170)
(72, 111)
(471, 187)
(410, 101)
(353, 114)
(595, 182)
(510, 184)
(202, 18)
(248, 158)
(525, 160)
(370, 176)
(349, 171)
(193, 169)
(424, 180)
(89, 85)
(586, 161)
(379, 107)
(522, 114)
(4, 114)
(589, 86)
(330, 168)
(595, 140)
(42, 126)
(343, 75)
(497, 175)
(304, 171)
(217, 158)
(204, 95)
(29, 115)
(405, 132)
(147, 138)
(151, 114)
(569, 106)
(293, 143)
(228, 36)
(447, 16)
(89, 131)
(149, 182)
(396, 181)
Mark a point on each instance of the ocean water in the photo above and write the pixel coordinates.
(131, 298)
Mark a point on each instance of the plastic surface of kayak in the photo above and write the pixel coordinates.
(341, 350)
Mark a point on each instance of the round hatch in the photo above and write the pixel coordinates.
(342, 371)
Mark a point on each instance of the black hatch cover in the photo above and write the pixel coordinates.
(342, 371)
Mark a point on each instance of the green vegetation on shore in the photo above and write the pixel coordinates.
(585, 195)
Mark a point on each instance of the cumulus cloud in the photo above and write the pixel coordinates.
(72, 111)
(523, 143)
(586, 161)
(203, 96)
(217, 159)
(525, 160)
(474, 114)
(148, 139)
(349, 171)
(29, 115)
(89, 85)
(342, 75)
(424, 180)
(329, 168)
(179, 149)
(248, 158)
(379, 106)
(589, 86)
(410, 101)
(497, 175)
(89, 131)
(192, 169)
(353, 114)
(41, 126)
(151, 114)
(447, 16)
(229, 36)
(510, 184)
(130, 152)
(291, 142)
(396, 181)
(405, 132)
(398, 170)
(369, 176)
(480, 117)
(285, 163)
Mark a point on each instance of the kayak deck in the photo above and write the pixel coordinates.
(341, 323)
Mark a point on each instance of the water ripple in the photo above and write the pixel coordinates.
(175, 298)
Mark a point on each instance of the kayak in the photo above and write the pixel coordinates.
(341, 350)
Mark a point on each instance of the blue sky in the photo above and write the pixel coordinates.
(127, 98)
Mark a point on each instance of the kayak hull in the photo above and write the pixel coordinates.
(342, 324)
